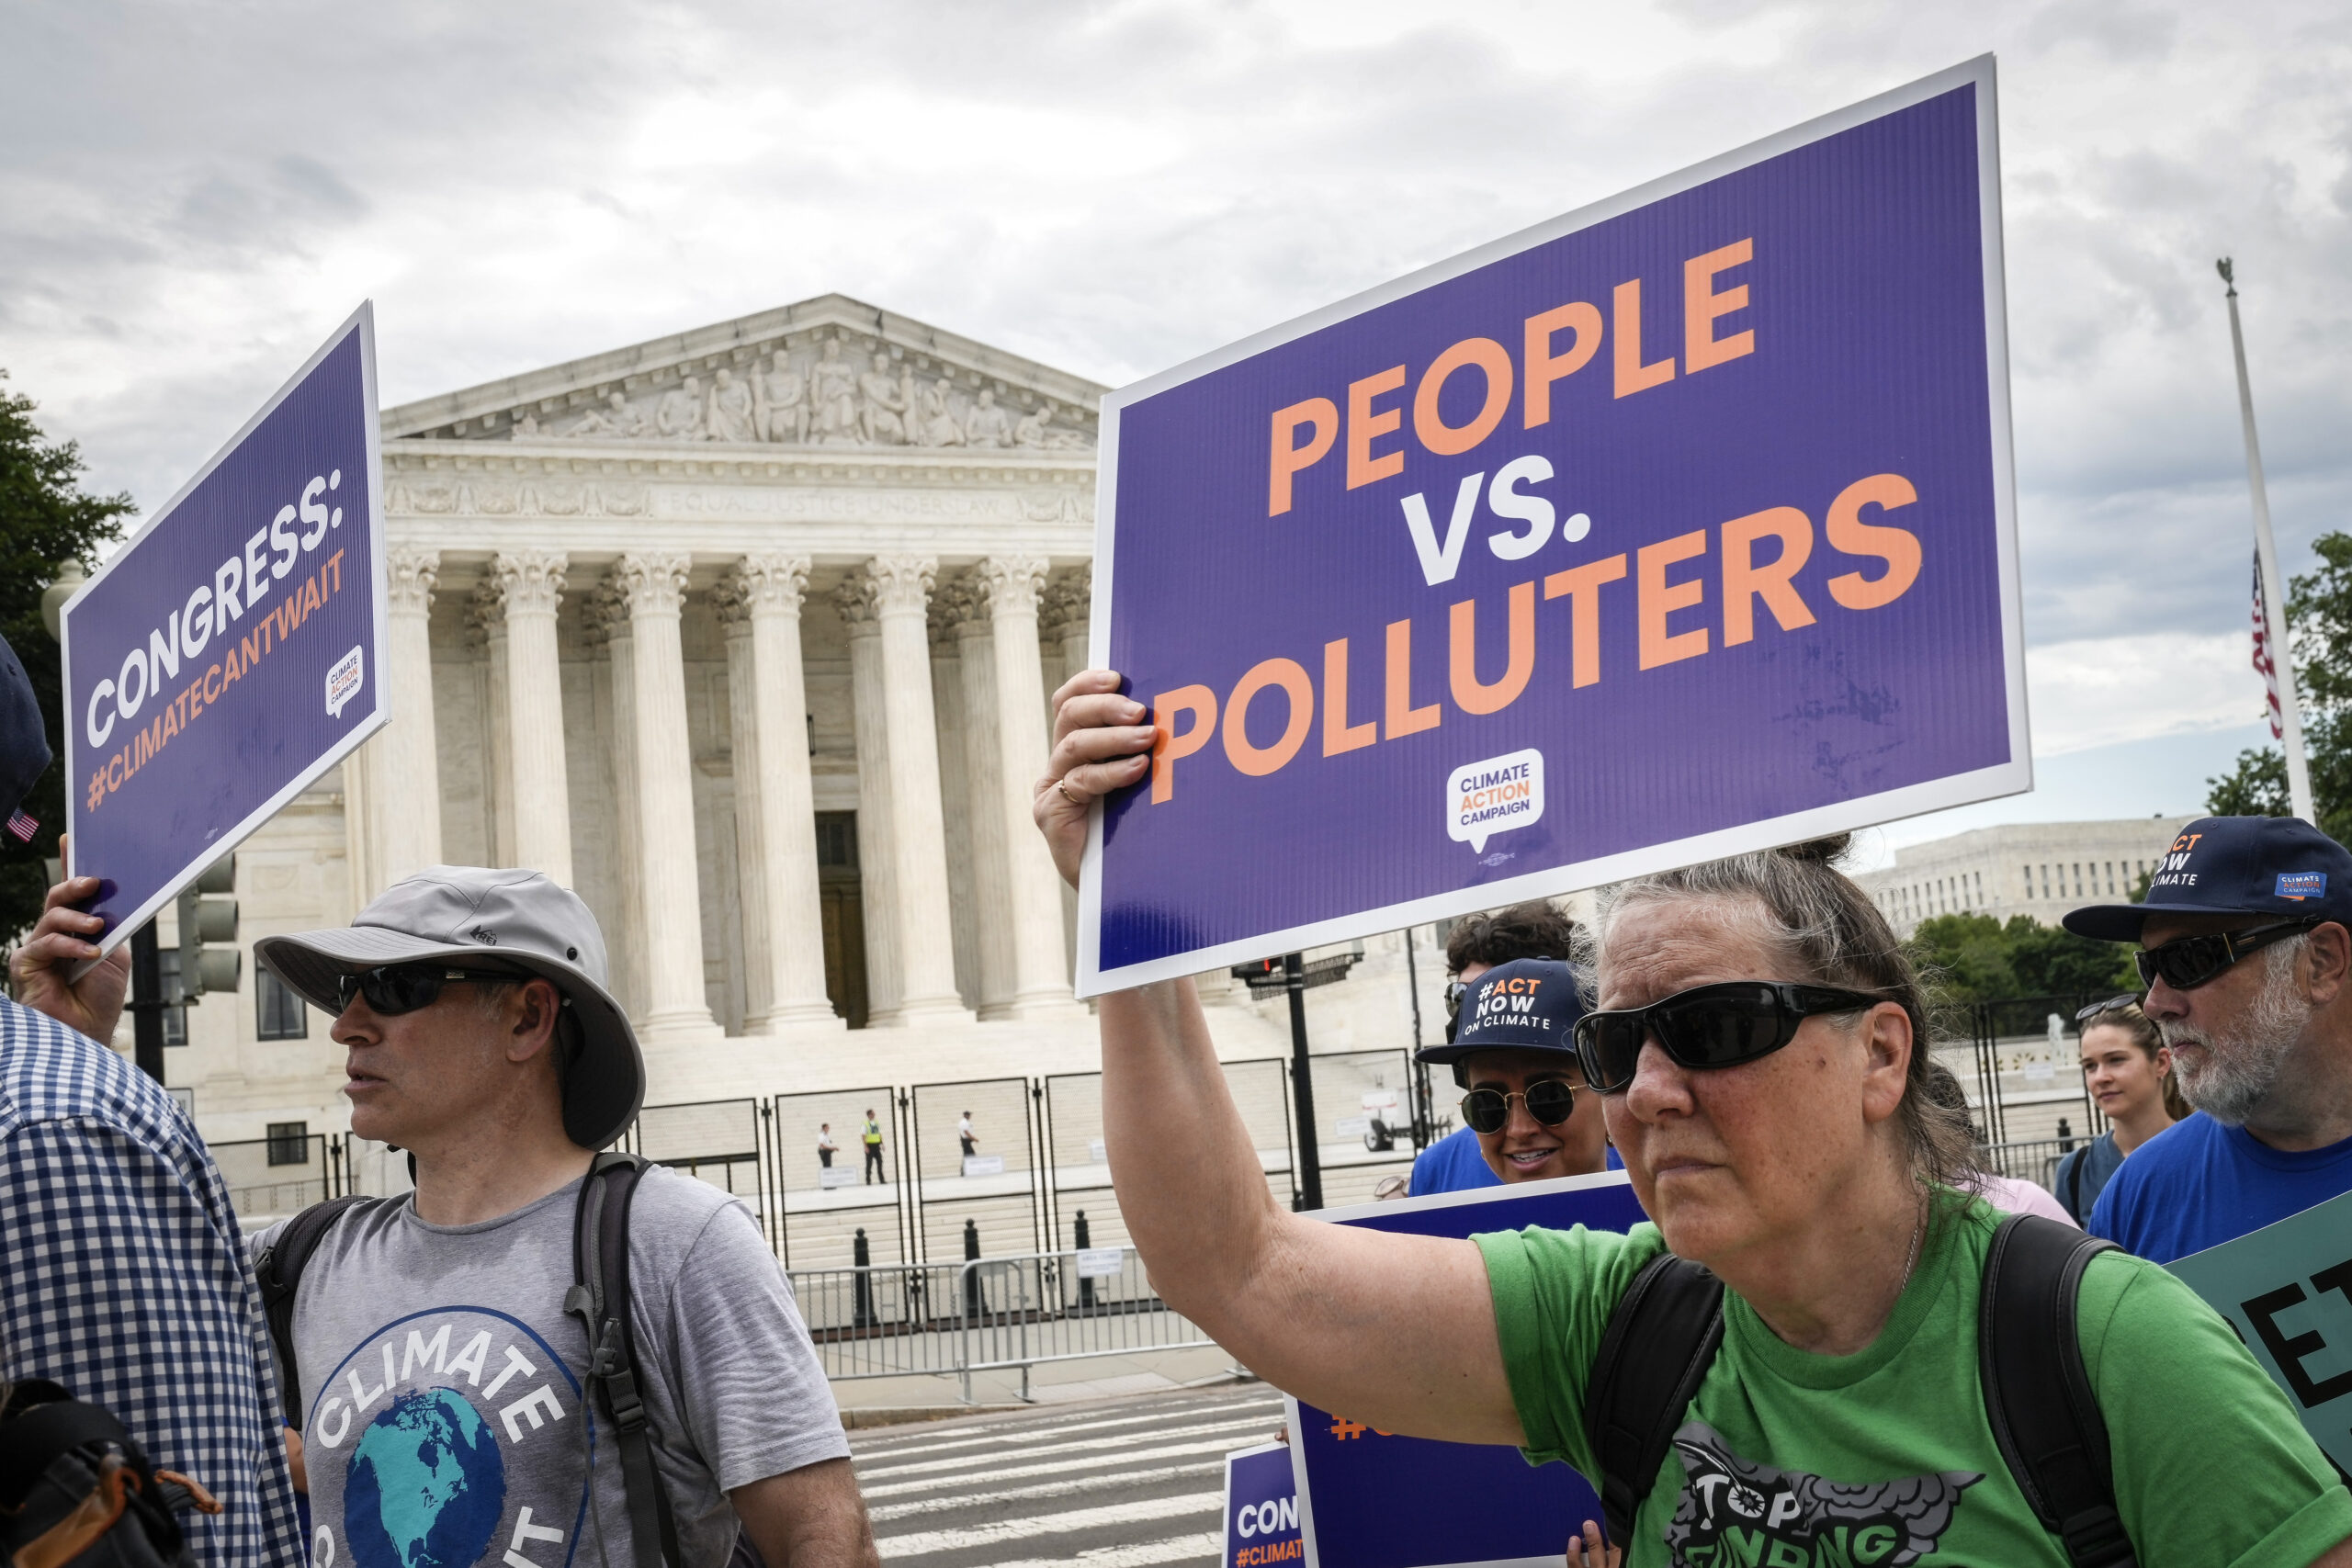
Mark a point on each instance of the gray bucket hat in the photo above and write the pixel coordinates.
(510, 918)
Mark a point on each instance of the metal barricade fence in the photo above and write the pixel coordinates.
(988, 1315)
(2034, 1159)
(1061, 1306)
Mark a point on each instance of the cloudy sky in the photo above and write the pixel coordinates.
(194, 194)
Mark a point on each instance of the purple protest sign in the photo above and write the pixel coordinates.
(1678, 526)
(231, 650)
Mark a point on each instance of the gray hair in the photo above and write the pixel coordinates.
(1825, 931)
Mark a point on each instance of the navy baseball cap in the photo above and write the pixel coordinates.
(2280, 866)
(1527, 1004)
(24, 742)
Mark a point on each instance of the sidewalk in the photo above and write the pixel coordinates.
(874, 1402)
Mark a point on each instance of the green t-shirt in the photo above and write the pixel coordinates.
(1791, 1460)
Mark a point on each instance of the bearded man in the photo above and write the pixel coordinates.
(2245, 950)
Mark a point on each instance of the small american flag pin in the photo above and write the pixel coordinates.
(23, 826)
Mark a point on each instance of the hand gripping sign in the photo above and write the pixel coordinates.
(228, 653)
(1678, 526)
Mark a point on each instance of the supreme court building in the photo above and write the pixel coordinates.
(746, 635)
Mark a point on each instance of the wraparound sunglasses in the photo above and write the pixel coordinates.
(2187, 962)
(1706, 1027)
(391, 990)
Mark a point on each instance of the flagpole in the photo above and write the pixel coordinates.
(2274, 597)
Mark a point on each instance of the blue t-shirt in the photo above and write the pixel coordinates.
(1453, 1164)
(2198, 1184)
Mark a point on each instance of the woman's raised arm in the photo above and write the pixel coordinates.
(1398, 1332)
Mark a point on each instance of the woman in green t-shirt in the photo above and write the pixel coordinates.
(1810, 1176)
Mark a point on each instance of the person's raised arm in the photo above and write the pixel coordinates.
(1398, 1332)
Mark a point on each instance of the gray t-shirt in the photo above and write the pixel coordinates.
(444, 1420)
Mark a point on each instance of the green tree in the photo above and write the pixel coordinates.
(2319, 618)
(45, 518)
(1975, 958)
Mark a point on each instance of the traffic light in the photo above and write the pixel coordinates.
(204, 919)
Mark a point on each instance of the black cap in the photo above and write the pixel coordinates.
(24, 739)
(2280, 866)
(1527, 1004)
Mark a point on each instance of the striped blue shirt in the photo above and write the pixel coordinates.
(125, 1280)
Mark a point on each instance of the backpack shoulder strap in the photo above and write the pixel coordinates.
(2080, 1157)
(599, 1297)
(2037, 1394)
(279, 1272)
(1660, 1341)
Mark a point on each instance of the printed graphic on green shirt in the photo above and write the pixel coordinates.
(1735, 1511)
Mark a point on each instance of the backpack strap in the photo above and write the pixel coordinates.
(1661, 1339)
(2074, 1163)
(2037, 1394)
(279, 1272)
(600, 1299)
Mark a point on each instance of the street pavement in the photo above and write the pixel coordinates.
(1119, 1484)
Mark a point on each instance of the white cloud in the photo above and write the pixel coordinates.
(2106, 691)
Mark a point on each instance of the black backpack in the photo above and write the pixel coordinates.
(1667, 1327)
(598, 1297)
(76, 1491)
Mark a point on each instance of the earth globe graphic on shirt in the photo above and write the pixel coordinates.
(426, 1485)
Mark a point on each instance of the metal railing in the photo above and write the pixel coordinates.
(986, 1315)
(1061, 1306)
(2034, 1159)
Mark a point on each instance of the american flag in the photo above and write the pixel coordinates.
(2266, 667)
(23, 826)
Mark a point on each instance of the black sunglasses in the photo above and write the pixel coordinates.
(391, 990)
(1706, 1027)
(2112, 1004)
(2187, 962)
(1549, 1100)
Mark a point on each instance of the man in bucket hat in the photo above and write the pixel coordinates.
(482, 1041)
(2246, 946)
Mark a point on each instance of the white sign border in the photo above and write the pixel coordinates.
(362, 320)
(2013, 777)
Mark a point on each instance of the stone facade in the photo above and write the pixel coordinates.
(746, 635)
(2041, 868)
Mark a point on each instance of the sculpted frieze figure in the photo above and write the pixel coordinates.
(934, 420)
(781, 403)
(987, 425)
(617, 419)
(526, 424)
(881, 423)
(679, 415)
(833, 385)
(731, 414)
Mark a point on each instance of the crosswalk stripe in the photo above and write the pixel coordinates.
(1175, 1549)
(917, 1543)
(993, 1432)
(1090, 1445)
(1223, 1445)
(1071, 1488)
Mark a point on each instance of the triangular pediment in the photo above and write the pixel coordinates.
(725, 385)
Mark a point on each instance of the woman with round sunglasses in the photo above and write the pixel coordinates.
(1513, 1054)
(1754, 1043)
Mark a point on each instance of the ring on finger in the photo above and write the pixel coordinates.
(1062, 785)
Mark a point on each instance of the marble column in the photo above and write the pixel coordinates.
(527, 586)
(775, 811)
(984, 803)
(1063, 613)
(654, 583)
(899, 589)
(965, 918)
(877, 866)
(609, 629)
(484, 620)
(1033, 889)
(405, 778)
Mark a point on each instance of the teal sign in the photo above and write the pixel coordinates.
(2286, 1289)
